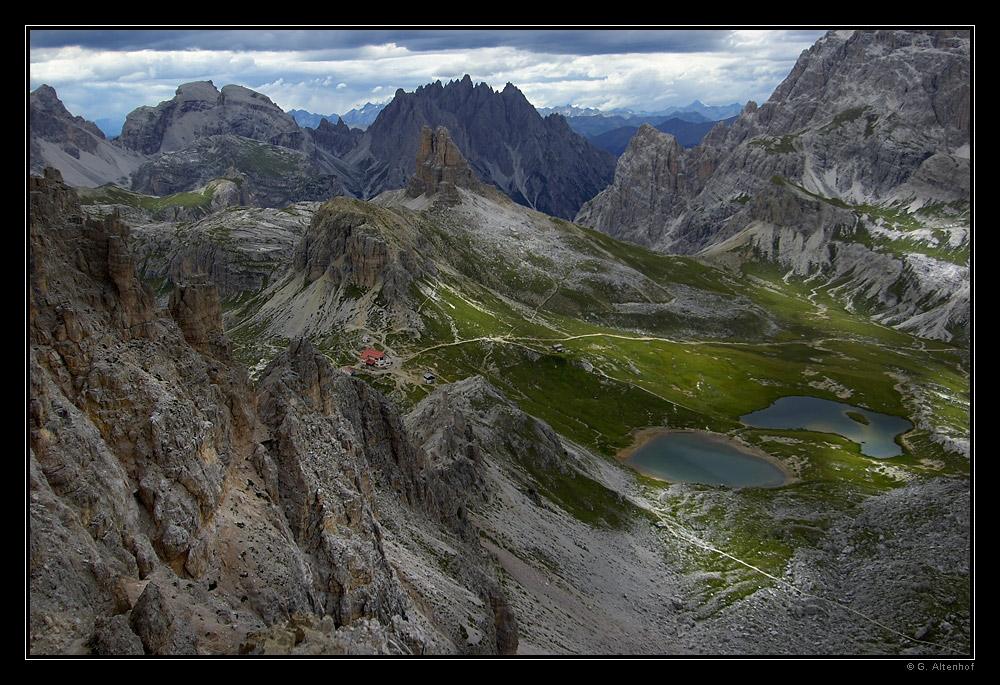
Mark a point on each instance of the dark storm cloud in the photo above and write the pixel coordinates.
(565, 41)
(109, 72)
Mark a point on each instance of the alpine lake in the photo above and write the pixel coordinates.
(714, 459)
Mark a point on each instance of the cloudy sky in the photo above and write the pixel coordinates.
(108, 73)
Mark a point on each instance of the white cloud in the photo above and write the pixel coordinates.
(336, 79)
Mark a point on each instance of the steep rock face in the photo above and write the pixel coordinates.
(194, 305)
(351, 242)
(73, 145)
(324, 470)
(240, 250)
(199, 110)
(648, 182)
(50, 119)
(169, 516)
(277, 175)
(202, 131)
(366, 504)
(538, 162)
(872, 122)
(132, 433)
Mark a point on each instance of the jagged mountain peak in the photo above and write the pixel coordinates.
(45, 95)
(922, 77)
(46, 109)
(540, 163)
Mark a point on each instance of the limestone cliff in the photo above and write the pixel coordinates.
(202, 131)
(240, 250)
(169, 515)
(648, 183)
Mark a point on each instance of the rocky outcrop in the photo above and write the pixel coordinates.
(540, 163)
(195, 307)
(355, 243)
(50, 119)
(73, 145)
(649, 181)
(240, 250)
(325, 471)
(441, 168)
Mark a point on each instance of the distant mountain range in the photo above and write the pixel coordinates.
(356, 118)
(204, 133)
(590, 123)
(687, 133)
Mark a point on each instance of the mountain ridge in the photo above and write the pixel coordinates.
(861, 135)
(185, 142)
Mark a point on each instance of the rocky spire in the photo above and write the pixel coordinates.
(195, 307)
(441, 167)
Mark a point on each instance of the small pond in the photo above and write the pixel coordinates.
(707, 458)
(876, 433)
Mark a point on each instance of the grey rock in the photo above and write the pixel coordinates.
(337, 138)
(162, 629)
(865, 119)
(151, 458)
(240, 250)
(73, 145)
(114, 637)
(196, 309)
(200, 110)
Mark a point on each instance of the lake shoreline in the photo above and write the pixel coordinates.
(641, 436)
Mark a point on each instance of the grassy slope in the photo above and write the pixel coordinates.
(610, 380)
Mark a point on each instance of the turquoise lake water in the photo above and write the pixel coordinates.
(877, 439)
(696, 457)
